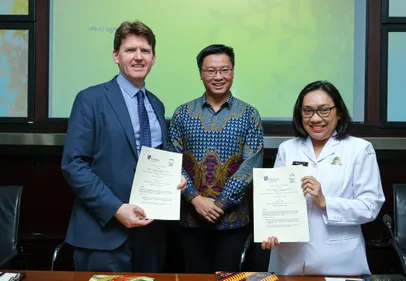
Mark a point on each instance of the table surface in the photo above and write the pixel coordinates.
(85, 276)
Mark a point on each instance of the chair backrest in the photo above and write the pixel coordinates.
(399, 214)
(62, 258)
(253, 258)
(10, 199)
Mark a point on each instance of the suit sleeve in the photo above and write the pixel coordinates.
(368, 194)
(77, 159)
(253, 151)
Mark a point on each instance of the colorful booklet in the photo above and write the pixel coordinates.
(245, 276)
(120, 278)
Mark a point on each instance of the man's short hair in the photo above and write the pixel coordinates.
(137, 28)
(213, 50)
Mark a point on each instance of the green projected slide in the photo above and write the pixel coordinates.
(280, 46)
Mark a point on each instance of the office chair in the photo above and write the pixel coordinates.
(399, 213)
(253, 258)
(62, 257)
(10, 201)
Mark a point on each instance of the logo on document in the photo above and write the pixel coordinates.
(152, 159)
(170, 162)
(271, 180)
(292, 178)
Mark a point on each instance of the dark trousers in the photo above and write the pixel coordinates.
(144, 251)
(211, 250)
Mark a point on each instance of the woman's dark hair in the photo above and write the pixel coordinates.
(343, 124)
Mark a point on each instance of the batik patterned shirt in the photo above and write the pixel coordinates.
(220, 150)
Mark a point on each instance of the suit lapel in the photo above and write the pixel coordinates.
(116, 99)
(328, 149)
(160, 116)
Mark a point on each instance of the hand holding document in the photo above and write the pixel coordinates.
(155, 183)
(280, 208)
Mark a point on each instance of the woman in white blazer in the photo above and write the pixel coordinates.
(343, 189)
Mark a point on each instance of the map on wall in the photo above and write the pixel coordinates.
(13, 73)
(14, 7)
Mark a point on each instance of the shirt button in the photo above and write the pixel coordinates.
(314, 165)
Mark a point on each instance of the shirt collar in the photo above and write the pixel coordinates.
(227, 103)
(331, 141)
(129, 88)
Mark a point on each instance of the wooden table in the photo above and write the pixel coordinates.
(85, 276)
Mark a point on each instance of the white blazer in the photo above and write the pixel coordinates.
(350, 180)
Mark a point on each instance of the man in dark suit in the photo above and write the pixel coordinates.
(109, 124)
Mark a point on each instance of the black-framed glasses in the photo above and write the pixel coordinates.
(323, 112)
(210, 72)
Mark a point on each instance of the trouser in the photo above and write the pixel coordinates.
(211, 250)
(144, 251)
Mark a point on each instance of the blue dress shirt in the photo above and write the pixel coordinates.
(130, 91)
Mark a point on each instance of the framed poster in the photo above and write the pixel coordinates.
(17, 75)
(393, 62)
(393, 11)
(17, 10)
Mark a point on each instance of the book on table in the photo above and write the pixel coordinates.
(120, 278)
(245, 276)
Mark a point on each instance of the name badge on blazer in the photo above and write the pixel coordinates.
(296, 163)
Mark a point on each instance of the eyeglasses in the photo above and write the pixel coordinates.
(210, 72)
(323, 112)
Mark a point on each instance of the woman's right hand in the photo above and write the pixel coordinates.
(269, 244)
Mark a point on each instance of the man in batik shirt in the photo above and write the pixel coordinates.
(221, 138)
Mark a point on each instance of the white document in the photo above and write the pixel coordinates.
(155, 183)
(280, 208)
(7, 276)
(11, 276)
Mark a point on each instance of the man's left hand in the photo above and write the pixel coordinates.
(206, 208)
